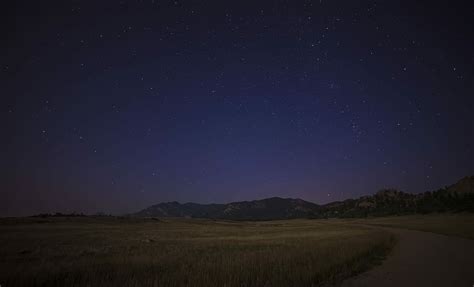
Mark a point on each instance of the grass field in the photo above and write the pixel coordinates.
(461, 224)
(184, 252)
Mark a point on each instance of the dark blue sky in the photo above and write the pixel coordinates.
(116, 105)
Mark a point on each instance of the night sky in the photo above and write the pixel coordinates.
(113, 106)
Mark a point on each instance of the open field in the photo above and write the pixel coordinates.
(196, 252)
(460, 224)
(184, 252)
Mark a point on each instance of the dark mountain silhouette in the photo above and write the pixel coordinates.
(264, 209)
(464, 186)
(457, 198)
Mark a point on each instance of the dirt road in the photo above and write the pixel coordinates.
(422, 259)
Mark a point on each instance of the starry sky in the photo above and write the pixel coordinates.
(116, 105)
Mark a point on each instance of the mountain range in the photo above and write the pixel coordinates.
(457, 198)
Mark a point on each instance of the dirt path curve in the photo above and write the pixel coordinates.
(422, 259)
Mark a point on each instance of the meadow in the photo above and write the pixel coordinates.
(452, 224)
(184, 252)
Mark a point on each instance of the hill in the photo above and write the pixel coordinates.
(458, 197)
(264, 209)
(464, 186)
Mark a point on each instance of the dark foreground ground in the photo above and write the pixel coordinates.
(422, 259)
(193, 252)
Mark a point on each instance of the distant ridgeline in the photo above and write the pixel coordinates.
(456, 198)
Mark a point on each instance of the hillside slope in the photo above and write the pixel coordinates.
(264, 209)
(457, 197)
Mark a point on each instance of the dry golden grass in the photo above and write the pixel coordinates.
(453, 224)
(179, 252)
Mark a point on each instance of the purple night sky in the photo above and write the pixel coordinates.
(113, 106)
